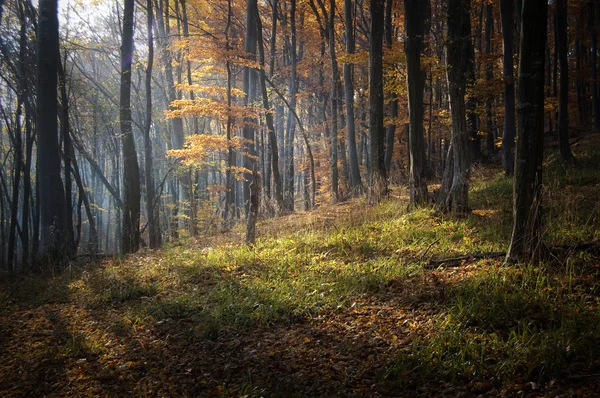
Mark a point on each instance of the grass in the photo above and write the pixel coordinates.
(483, 323)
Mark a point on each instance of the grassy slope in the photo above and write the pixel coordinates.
(334, 302)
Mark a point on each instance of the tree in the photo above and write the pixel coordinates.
(153, 224)
(131, 171)
(563, 97)
(459, 44)
(51, 191)
(527, 187)
(508, 136)
(355, 180)
(378, 178)
(416, 15)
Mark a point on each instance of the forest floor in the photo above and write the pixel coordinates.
(347, 300)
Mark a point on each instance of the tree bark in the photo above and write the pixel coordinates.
(563, 96)
(154, 238)
(508, 136)
(131, 171)
(459, 44)
(378, 179)
(355, 180)
(51, 190)
(527, 188)
(416, 17)
(272, 137)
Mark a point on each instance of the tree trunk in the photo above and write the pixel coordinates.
(459, 44)
(391, 129)
(291, 123)
(378, 184)
(269, 116)
(508, 136)
(593, 64)
(416, 17)
(527, 187)
(131, 171)
(489, 76)
(249, 87)
(154, 238)
(563, 96)
(51, 191)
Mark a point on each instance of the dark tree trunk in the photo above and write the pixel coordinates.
(230, 183)
(51, 191)
(508, 136)
(525, 237)
(249, 87)
(131, 171)
(391, 129)
(269, 116)
(459, 44)
(593, 63)
(416, 20)
(355, 180)
(378, 178)
(291, 123)
(489, 76)
(563, 95)
(151, 210)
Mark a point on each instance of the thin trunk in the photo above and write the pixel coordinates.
(131, 172)
(378, 184)
(154, 238)
(563, 96)
(508, 136)
(269, 116)
(416, 17)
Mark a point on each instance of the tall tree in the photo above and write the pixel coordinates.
(508, 136)
(416, 14)
(51, 191)
(527, 188)
(249, 87)
(131, 171)
(391, 128)
(355, 180)
(378, 184)
(563, 95)
(153, 222)
(459, 44)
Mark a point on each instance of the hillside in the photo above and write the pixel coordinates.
(347, 300)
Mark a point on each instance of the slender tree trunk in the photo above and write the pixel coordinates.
(459, 44)
(131, 171)
(593, 63)
(391, 129)
(378, 183)
(416, 17)
(154, 237)
(269, 117)
(527, 189)
(508, 136)
(563, 96)
(489, 76)
(249, 87)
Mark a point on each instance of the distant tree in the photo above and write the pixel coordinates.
(508, 136)
(355, 180)
(563, 97)
(458, 48)
(378, 178)
(131, 170)
(527, 188)
(51, 190)
(417, 15)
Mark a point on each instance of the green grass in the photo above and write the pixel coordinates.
(492, 323)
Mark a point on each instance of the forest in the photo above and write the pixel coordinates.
(299, 198)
